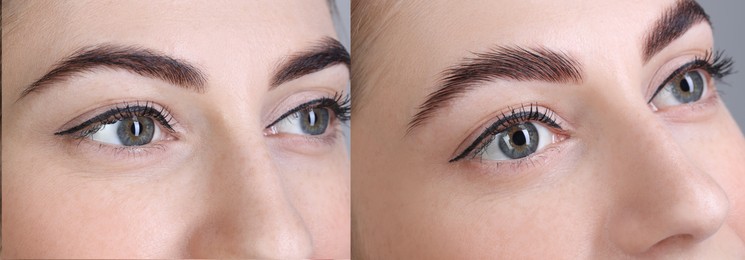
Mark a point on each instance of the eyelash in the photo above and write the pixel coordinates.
(515, 116)
(121, 111)
(717, 66)
(339, 104)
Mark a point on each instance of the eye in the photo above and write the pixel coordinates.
(312, 118)
(691, 82)
(514, 135)
(517, 141)
(313, 121)
(133, 131)
(686, 88)
(127, 124)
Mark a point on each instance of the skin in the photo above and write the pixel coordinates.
(218, 188)
(625, 181)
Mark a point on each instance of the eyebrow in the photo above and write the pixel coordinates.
(515, 63)
(674, 22)
(325, 53)
(541, 64)
(138, 60)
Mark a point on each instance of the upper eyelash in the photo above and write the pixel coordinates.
(339, 103)
(127, 110)
(515, 116)
(718, 67)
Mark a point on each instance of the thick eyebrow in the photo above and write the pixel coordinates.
(141, 61)
(514, 63)
(327, 52)
(674, 22)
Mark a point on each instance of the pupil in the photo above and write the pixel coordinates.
(684, 85)
(518, 138)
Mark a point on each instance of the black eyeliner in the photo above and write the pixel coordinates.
(119, 113)
(339, 104)
(718, 68)
(516, 116)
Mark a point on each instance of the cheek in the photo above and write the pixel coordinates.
(57, 213)
(320, 191)
(718, 148)
(458, 218)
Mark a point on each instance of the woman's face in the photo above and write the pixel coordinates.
(599, 172)
(174, 130)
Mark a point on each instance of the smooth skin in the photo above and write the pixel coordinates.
(625, 182)
(220, 188)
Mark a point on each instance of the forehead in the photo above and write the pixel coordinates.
(214, 34)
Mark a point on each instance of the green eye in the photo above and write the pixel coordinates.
(686, 88)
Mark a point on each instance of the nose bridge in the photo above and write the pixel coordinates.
(250, 214)
(659, 195)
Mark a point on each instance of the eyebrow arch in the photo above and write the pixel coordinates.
(138, 60)
(325, 53)
(674, 22)
(502, 62)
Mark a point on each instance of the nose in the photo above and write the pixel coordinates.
(250, 214)
(662, 199)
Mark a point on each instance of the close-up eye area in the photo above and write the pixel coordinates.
(125, 125)
(135, 131)
(517, 141)
(514, 135)
(693, 81)
(686, 88)
(313, 118)
(313, 121)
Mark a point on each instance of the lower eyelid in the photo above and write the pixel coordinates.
(517, 167)
(694, 111)
(115, 156)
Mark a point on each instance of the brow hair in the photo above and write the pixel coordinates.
(134, 59)
(673, 23)
(514, 63)
(325, 53)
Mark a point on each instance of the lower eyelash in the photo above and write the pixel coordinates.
(524, 113)
(126, 110)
